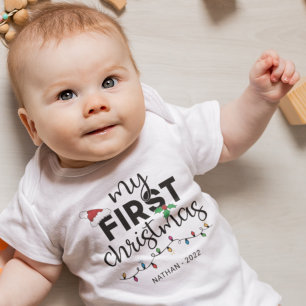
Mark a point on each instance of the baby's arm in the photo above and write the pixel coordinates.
(244, 120)
(26, 282)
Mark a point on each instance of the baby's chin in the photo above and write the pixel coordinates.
(89, 160)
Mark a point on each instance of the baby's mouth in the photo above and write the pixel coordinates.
(101, 130)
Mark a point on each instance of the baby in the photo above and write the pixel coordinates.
(110, 191)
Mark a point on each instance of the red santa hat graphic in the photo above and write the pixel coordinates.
(94, 215)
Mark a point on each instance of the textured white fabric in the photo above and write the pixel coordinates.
(137, 229)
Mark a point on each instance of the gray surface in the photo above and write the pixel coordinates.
(195, 50)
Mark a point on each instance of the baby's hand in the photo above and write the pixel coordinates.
(271, 77)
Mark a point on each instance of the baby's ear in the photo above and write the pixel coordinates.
(29, 125)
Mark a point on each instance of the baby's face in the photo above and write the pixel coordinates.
(83, 98)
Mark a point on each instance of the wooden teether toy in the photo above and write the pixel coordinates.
(11, 5)
(16, 13)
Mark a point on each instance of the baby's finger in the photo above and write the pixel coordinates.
(277, 71)
(294, 79)
(288, 72)
(262, 66)
(272, 54)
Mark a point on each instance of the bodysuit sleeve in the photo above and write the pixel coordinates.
(200, 130)
(197, 127)
(20, 227)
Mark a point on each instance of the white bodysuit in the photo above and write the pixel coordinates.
(137, 229)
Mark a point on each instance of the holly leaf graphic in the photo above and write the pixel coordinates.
(166, 213)
(171, 206)
(158, 210)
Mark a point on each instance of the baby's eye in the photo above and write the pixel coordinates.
(66, 95)
(109, 82)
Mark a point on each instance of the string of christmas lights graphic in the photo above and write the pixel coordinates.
(159, 252)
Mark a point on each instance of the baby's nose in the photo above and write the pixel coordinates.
(95, 107)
